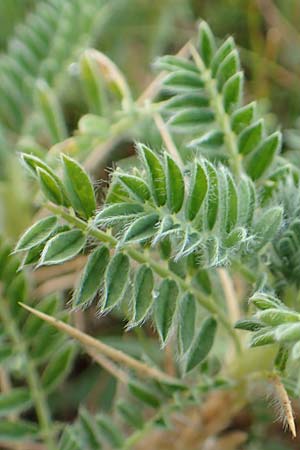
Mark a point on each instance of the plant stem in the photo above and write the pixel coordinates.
(221, 115)
(144, 258)
(31, 375)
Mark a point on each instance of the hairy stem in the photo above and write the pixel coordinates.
(145, 258)
(221, 115)
(36, 390)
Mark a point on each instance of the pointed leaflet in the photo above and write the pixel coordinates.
(136, 187)
(58, 368)
(50, 187)
(142, 229)
(17, 431)
(165, 306)
(90, 77)
(267, 226)
(63, 247)
(143, 296)
(119, 212)
(187, 321)
(144, 393)
(213, 196)
(261, 159)
(221, 54)
(190, 118)
(228, 68)
(14, 401)
(51, 111)
(202, 343)
(194, 100)
(175, 185)
(232, 203)
(91, 278)
(251, 137)
(116, 280)
(156, 175)
(79, 187)
(173, 63)
(211, 139)
(110, 432)
(247, 201)
(37, 233)
(242, 117)
(232, 92)
(197, 191)
(207, 45)
(183, 80)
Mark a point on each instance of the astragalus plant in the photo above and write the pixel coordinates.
(196, 239)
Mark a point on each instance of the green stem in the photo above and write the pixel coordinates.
(31, 375)
(222, 117)
(145, 258)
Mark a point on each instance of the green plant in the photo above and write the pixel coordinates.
(209, 203)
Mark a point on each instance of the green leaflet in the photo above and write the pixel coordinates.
(175, 185)
(142, 229)
(267, 226)
(232, 92)
(14, 401)
(143, 293)
(33, 324)
(50, 187)
(261, 337)
(32, 162)
(213, 195)
(135, 186)
(251, 137)
(116, 280)
(37, 233)
(173, 63)
(187, 321)
(144, 393)
(288, 332)
(180, 101)
(92, 84)
(197, 191)
(221, 54)
(51, 111)
(165, 306)
(276, 316)
(247, 201)
(156, 175)
(191, 118)
(243, 117)
(211, 139)
(109, 431)
(62, 247)
(235, 237)
(249, 325)
(183, 80)
(232, 203)
(202, 343)
(118, 212)
(264, 301)
(92, 277)
(17, 431)
(79, 187)
(90, 432)
(207, 45)
(58, 367)
(228, 67)
(130, 414)
(261, 159)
